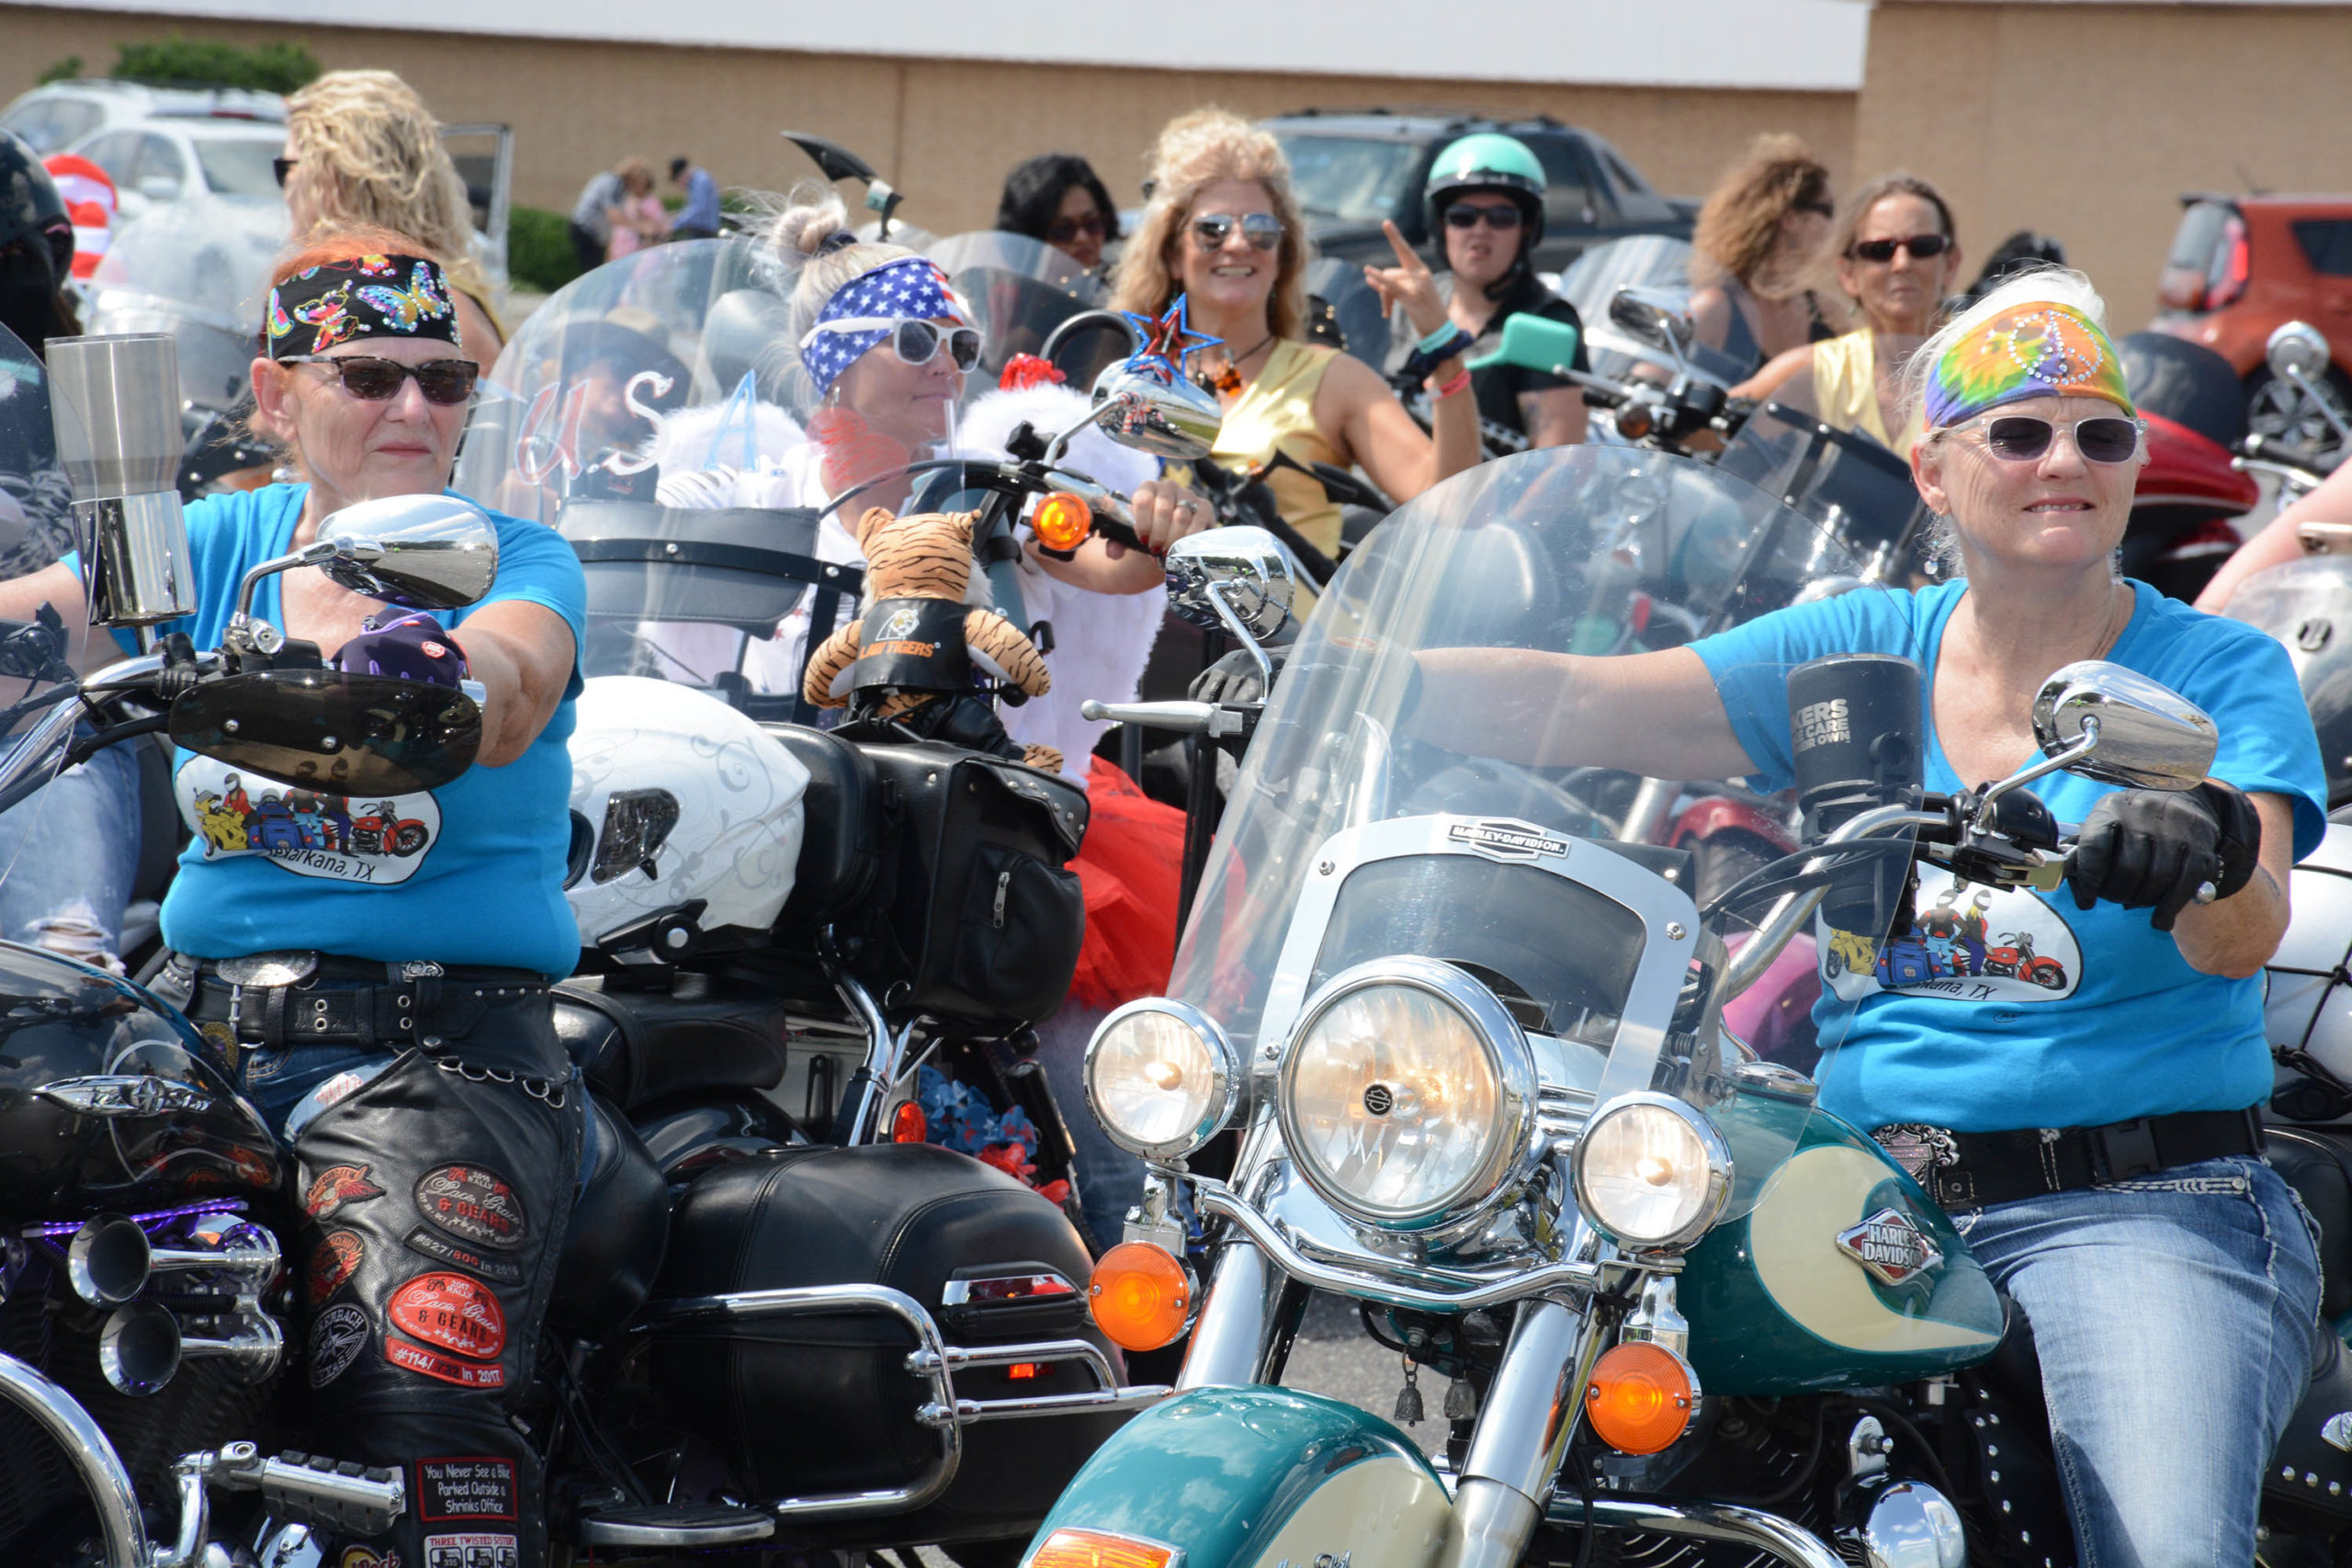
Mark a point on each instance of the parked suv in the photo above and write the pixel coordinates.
(161, 161)
(2239, 267)
(53, 117)
(1353, 168)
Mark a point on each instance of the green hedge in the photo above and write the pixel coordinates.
(539, 258)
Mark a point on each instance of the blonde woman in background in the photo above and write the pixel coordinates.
(643, 220)
(362, 151)
(1755, 248)
(1223, 231)
(1896, 260)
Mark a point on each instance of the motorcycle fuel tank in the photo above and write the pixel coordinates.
(109, 1097)
(1844, 1275)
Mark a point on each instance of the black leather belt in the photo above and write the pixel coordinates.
(1974, 1170)
(282, 999)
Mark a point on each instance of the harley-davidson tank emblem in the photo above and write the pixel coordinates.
(1890, 1248)
(1502, 838)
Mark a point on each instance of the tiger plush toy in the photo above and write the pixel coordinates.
(909, 656)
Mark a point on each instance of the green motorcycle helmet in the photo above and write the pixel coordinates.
(1487, 161)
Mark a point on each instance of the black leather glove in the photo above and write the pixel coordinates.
(1235, 678)
(2153, 849)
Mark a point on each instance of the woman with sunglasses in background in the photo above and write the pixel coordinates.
(1484, 204)
(362, 151)
(1897, 259)
(2097, 1142)
(1222, 231)
(1057, 197)
(1755, 249)
(416, 977)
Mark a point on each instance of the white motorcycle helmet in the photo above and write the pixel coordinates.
(684, 800)
(2307, 1004)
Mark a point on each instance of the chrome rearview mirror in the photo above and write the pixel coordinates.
(2296, 351)
(2107, 723)
(430, 552)
(1235, 578)
(1653, 315)
(1138, 404)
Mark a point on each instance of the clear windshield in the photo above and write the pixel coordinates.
(197, 269)
(1608, 554)
(1859, 492)
(1020, 290)
(1350, 179)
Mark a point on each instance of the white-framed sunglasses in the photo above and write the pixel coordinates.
(912, 339)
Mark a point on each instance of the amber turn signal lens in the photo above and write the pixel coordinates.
(1640, 1397)
(1100, 1549)
(1140, 1296)
(908, 1123)
(1062, 521)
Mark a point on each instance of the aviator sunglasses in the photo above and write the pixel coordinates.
(912, 339)
(1462, 215)
(1262, 229)
(2023, 439)
(373, 380)
(1921, 247)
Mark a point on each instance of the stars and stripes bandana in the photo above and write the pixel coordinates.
(2036, 350)
(910, 288)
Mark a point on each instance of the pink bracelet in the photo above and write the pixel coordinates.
(1461, 381)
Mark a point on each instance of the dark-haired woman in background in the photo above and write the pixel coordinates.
(1058, 198)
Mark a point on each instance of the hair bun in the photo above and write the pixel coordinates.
(812, 222)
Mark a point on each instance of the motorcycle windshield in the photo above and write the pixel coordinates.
(197, 269)
(1649, 261)
(1019, 292)
(37, 526)
(1449, 769)
(1858, 492)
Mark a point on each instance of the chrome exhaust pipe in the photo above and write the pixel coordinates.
(107, 1262)
(87, 1447)
(139, 1348)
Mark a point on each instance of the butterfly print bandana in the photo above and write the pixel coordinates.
(371, 297)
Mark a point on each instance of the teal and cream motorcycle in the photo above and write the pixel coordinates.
(1454, 1046)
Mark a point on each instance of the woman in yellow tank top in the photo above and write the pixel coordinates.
(1896, 260)
(1223, 231)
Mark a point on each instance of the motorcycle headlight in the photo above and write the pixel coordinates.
(1651, 1172)
(1408, 1094)
(1161, 1078)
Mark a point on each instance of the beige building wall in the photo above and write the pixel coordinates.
(2086, 121)
(944, 132)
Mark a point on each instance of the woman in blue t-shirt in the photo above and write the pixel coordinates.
(2073, 1077)
(375, 971)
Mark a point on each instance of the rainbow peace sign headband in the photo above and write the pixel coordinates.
(2037, 350)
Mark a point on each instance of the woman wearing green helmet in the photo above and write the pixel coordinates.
(1484, 206)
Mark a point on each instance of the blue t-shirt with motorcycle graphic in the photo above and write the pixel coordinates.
(2003, 1008)
(471, 872)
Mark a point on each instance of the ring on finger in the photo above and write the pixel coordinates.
(1188, 506)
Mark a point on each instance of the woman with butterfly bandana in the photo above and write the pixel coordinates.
(374, 974)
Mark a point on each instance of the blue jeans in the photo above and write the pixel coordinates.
(68, 856)
(1110, 1180)
(2174, 1317)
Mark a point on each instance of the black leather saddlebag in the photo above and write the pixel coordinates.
(2308, 1484)
(811, 1405)
(983, 920)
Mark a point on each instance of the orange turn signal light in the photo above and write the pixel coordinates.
(1640, 1397)
(1140, 1295)
(908, 1124)
(1069, 1547)
(1062, 521)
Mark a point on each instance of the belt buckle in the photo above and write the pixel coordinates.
(267, 969)
(2123, 1150)
(1920, 1149)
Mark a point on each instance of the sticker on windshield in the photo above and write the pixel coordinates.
(1965, 943)
(1507, 838)
(376, 842)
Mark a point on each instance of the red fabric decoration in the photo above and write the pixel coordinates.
(1024, 371)
(1131, 870)
(854, 450)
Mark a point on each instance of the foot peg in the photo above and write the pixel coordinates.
(309, 1489)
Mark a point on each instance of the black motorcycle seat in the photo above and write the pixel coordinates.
(2317, 1163)
(843, 838)
(619, 1230)
(641, 1048)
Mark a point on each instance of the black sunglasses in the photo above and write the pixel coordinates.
(1262, 229)
(1062, 231)
(1503, 218)
(1921, 247)
(373, 380)
(283, 167)
(2024, 437)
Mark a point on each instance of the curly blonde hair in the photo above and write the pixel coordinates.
(1195, 150)
(1740, 222)
(369, 154)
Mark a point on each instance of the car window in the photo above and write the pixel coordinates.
(159, 160)
(239, 167)
(37, 123)
(1356, 180)
(2327, 244)
(1569, 200)
(115, 152)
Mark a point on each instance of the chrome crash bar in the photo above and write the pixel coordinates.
(1750, 1527)
(933, 1359)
